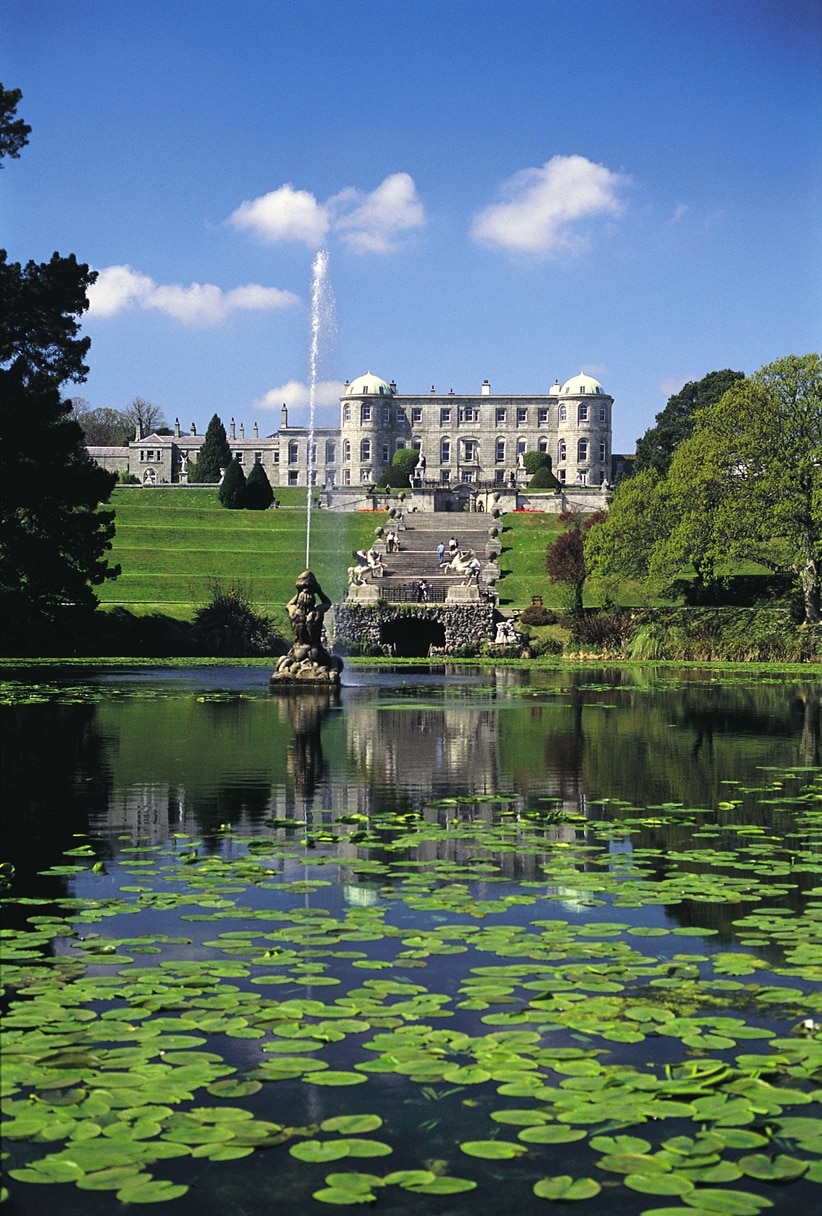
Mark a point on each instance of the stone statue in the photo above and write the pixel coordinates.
(307, 662)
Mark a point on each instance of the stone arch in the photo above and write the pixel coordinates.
(410, 637)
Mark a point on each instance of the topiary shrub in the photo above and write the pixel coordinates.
(232, 491)
(258, 492)
(543, 479)
(535, 614)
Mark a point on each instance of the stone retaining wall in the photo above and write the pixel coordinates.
(463, 624)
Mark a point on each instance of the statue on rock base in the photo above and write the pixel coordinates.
(307, 662)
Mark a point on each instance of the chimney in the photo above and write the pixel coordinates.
(284, 416)
(242, 430)
(192, 429)
(485, 391)
(232, 430)
(256, 431)
(176, 428)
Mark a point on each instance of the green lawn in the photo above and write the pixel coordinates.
(174, 544)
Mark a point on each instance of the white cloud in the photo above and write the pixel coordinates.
(380, 217)
(671, 386)
(542, 206)
(295, 393)
(120, 288)
(680, 210)
(367, 223)
(285, 214)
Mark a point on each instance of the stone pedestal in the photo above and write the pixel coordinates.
(462, 595)
(367, 593)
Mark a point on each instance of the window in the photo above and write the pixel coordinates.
(602, 477)
(365, 474)
(470, 449)
(330, 451)
(499, 454)
(445, 451)
(542, 415)
(470, 414)
(543, 444)
(445, 475)
(445, 417)
(365, 413)
(416, 443)
(386, 413)
(386, 454)
(468, 475)
(501, 416)
(522, 415)
(563, 451)
(582, 451)
(602, 453)
(416, 415)
(346, 449)
(563, 413)
(365, 450)
(293, 451)
(346, 477)
(603, 414)
(258, 458)
(499, 476)
(346, 413)
(562, 476)
(582, 413)
(239, 457)
(400, 444)
(401, 414)
(365, 388)
(276, 457)
(313, 454)
(293, 475)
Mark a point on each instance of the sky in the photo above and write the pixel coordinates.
(511, 190)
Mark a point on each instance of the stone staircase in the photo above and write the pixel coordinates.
(417, 556)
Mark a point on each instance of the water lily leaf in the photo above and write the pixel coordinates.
(781, 1168)
(367, 1148)
(112, 1179)
(519, 1118)
(444, 1184)
(319, 1150)
(343, 1195)
(563, 1188)
(658, 1184)
(620, 1144)
(233, 1089)
(151, 1192)
(335, 1077)
(551, 1133)
(351, 1124)
(492, 1150)
(726, 1202)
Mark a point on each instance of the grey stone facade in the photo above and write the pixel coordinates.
(464, 439)
(448, 626)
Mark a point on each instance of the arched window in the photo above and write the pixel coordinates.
(445, 451)
(582, 451)
(500, 451)
(583, 413)
(346, 449)
(365, 450)
(563, 451)
(346, 413)
(543, 444)
(563, 413)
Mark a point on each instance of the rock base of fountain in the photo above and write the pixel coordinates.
(307, 664)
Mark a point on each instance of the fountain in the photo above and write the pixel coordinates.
(308, 662)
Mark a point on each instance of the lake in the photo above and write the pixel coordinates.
(464, 940)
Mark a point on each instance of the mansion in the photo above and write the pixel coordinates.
(461, 439)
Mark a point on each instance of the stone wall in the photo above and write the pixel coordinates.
(463, 624)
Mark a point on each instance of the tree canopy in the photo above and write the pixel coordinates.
(215, 454)
(402, 466)
(746, 486)
(565, 560)
(14, 133)
(53, 539)
(676, 422)
(258, 492)
(232, 492)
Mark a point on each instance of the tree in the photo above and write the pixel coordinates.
(622, 543)
(258, 492)
(101, 427)
(747, 485)
(676, 422)
(565, 558)
(402, 466)
(534, 460)
(14, 133)
(144, 417)
(232, 489)
(215, 454)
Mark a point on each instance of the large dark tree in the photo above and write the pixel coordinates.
(565, 557)
(102, 427)
(232, 490)
(145, 417)
(676, 422)
(215, 454)
(258, 492)
(53, 539)
(14, 133)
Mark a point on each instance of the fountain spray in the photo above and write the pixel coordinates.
(322, 313)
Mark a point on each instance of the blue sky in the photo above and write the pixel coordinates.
(514, 191)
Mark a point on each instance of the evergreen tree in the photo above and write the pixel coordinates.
(215, 454)
(232, 490)
(402, 466)
(258, 493)
(53, 539)
(675, 423)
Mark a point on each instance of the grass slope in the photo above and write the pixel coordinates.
(174, 544)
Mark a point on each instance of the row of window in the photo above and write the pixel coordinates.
(471, 413)
(469, 451)
(466, 475)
